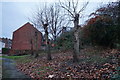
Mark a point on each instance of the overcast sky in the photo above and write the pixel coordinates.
(15, 13)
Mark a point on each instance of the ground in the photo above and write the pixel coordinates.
(9, 70)
(93, 63)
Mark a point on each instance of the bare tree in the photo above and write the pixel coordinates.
(41, 20)
(51, 21)
(71, 6)
(54, 16)
(57, 21)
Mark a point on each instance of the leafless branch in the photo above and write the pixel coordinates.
(83, 8)
(67, 7)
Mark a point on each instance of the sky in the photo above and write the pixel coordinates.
(15, 13)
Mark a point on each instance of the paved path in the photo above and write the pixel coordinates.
(10, 71)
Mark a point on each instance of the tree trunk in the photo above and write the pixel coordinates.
(31, 47)
(32, 53)
(36, 44)
(36, 54)
(48, 52)
(76, 38)
(47, 43)
(76, 46)
(55, 38)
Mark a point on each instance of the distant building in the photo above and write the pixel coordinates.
(6, 42)
(27, 37)
(2, 45)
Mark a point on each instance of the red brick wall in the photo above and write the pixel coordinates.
(23, 36)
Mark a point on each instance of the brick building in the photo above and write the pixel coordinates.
(26, 37)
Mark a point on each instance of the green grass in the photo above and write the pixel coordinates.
(24, 60)
(14, 57)
(19, 59)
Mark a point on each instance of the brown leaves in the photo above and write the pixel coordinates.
(62, 67)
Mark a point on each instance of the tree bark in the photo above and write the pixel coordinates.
(31, 47)
(36, 44)
(48, 51)
(76, 38)
(47, 43)
(32, 53)
(36, 54)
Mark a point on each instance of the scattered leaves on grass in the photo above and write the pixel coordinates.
(62, 67)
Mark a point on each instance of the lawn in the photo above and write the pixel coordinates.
(93, 63)
(13, 57)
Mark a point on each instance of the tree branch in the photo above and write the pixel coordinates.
(83, 7)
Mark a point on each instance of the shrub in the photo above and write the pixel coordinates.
(65, 41)
(5, 50)
(103, 29)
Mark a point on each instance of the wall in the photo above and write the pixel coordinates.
(23, 36)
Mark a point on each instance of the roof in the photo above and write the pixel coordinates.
(24, 26)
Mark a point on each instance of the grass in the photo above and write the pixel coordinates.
(24, 60)
(97, 59)
(43, 70)
(94, 56)
(19, 59)
(90, 56)
(14, 57)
